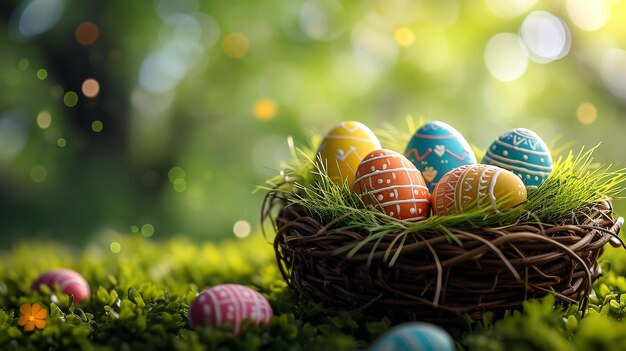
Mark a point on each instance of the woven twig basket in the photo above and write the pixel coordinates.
(435, 279)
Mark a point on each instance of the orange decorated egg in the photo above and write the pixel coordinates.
(343, 148)
(485, 186)
(390, 182)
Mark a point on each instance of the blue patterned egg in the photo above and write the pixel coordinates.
(416, 336)
(522, 152)
(437, 148)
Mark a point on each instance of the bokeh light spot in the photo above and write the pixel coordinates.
(163, 69)
(322, 19)
(264, 109)
(13, 136)
(42, 74)
(23, 64)
(44, 119)
(90, 87)
(236, 45)
(613, 71)
(38, 174)
(586, 113)
(176, 173)
(38, 16)
(115, 247)
(134, 229)
(589, 15)
(61, 142)
(97, 126)
(404, 36)
(182, 31)
(505, 58)
(70, 99)
(180, 185)
(87, 33)
(147, 230)
(546, 37)
(241, 229)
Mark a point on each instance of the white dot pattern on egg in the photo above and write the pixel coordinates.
(229, 303)
(522, 152)
(390, 182)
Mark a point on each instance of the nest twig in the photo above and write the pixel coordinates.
(434, 278)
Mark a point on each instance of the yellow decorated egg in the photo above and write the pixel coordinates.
(343, 148)
(485, 186)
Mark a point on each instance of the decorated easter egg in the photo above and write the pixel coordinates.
(437, 148)
(522, 152)
(344, 147)
(416, 336)
(485, 186)
(229, 303)
(390, 182)
(69, 281)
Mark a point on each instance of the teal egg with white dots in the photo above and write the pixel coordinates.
(416, 336)
(522, 152)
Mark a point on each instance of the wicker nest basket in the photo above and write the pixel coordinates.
(434, 279)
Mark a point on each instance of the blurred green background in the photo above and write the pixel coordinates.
(160, 117)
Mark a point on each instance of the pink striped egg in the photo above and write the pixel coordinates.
(230, 303)
(69, 281)
(390, 182)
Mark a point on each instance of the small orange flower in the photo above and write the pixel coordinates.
(32, 316)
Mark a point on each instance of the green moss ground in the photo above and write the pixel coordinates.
(141, 294)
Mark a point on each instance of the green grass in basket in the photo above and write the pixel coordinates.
(575, 181)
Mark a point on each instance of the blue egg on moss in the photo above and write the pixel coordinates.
(416, 336)
(522, 152)
(437, 148)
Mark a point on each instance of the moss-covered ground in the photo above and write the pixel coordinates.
(140, 297)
